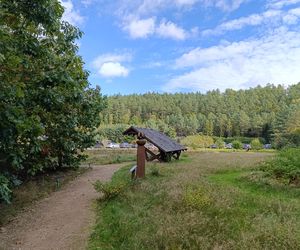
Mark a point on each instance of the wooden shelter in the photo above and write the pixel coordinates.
(167, 147)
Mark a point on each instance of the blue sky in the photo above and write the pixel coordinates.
(139, 46)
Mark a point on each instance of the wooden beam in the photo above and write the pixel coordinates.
(153, 155)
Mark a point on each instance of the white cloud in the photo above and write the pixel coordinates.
(278, 4)
(269, 17)
(168, 29)
(225, 5)
(141, 28)
(113, 69)
(70, 14)
(109, 65)
(274, 58)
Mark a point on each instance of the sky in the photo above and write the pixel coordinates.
(140, 46)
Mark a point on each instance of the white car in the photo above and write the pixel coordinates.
(113, 145)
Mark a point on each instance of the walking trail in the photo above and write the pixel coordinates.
(62, 221)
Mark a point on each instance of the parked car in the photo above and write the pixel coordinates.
(125, 145)
(267, 146)
(113, 145)
(213, 146)
(246, 146)
(229, 146)
(98, 145)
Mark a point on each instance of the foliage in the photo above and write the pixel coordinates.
(287, 126)
(110, 190)
(48, 112)
(113, 133)
(285, 165)
(5, 191)
(197, 141)
(246, 113)
(256, 144)
(237, 144)
(220, 143)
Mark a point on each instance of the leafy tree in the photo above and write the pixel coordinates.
(48, 111)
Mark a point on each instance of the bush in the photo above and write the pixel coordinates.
(256, 144)
(286, 165)
(237, 144)
(198, 141)
(5, 192)
(109, 190)
(220, 143)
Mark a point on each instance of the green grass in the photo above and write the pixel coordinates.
(109, 156)
(204, 201)
(35, 189)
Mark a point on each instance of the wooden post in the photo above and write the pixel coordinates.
(141, 158)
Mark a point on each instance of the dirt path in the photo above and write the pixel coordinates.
(61, 221)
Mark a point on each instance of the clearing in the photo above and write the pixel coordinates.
(206, 200)
(61, 221)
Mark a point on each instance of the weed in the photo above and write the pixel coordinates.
(110, 190)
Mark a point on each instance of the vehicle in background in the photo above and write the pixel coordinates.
(112, 145)
(246, 146)
(267, 146)
(98, 144)
(125, 145)
(229, 146)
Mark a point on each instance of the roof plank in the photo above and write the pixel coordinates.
(160, 140)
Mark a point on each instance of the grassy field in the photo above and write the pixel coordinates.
(204, 201)
(109, 156)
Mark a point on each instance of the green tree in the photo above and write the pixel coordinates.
(48, 111)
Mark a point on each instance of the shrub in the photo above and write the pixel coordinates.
(256, 144)
(220, 143)
(109, 190)
(286, 164)
(198, 141)
(237, 144)
(5, 192)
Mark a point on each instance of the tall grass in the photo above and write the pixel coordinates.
(110, 156)
(199, 203)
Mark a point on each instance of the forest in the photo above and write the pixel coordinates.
(270, 112)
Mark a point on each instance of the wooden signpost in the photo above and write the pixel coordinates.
(141, 158)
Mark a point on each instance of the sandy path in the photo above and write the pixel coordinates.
(61, 221)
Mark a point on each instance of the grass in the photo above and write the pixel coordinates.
(35, 189)
(204, 201)
(110, 156)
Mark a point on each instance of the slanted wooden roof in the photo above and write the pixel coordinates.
(160, 140)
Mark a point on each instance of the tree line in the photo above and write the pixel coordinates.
(255, 112)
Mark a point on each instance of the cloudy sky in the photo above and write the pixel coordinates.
(137, 46)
